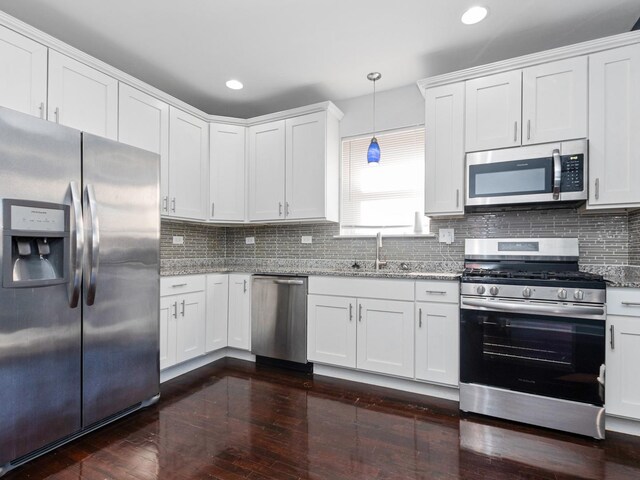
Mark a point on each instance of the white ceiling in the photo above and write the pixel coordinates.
(290, 53)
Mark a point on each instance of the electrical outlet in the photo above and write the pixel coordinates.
(306, 239)
(446, 235)
(250, 240)
(178, 240)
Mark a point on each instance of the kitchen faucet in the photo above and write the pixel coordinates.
(379, 263)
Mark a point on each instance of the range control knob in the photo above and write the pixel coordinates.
(526, 292)
(562, 294)
(578, 295)
(480, 289)
(494, 290)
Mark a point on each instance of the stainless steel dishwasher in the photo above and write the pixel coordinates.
(279, 317)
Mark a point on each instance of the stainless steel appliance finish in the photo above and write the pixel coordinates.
(575, 417)
(279, 317)
(75, 355)
(535, 249)
(552, 172)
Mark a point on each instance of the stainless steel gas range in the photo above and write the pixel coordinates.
(532, 334)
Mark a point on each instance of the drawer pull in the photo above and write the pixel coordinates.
(419, 318)
(631, 304)
(178, 285)
(435, 292)
(611, 340)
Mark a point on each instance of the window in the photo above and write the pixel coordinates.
(383, 197)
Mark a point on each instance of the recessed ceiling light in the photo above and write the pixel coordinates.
(474, 15)
(234, 84)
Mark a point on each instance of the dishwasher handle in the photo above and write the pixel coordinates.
(289, 282)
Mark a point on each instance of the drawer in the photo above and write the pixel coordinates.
(437, 291)
(382, 288)
(623, 301)
(181, 284)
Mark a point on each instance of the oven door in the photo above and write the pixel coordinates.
(548, 355)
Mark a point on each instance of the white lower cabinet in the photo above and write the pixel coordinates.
(437, 342)
(239, 324)
(331, 330)
(622, 388)
(217, 309)
(168, 326)
(191, 326)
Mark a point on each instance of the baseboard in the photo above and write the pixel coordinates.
(622, 425)
(185, 367)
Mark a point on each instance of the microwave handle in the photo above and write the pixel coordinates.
(557, 174)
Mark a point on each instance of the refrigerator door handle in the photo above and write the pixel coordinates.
(77, 234)
(93, 234)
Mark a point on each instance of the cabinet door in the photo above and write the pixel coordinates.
(239, 335)
(266, 171)
(622, 391)
(385, 337)
(217, 311)
(444, 167)
(306, 166)
(227, 178)
(437, 340)
(554, 101)
(168, 331)
(143, 121)
(23, 77)
(190, 335)
(81, 97)
(331, 330)
(188, 165)
(614, 123)
(493, 111)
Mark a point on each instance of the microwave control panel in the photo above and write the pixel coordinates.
(572, 173)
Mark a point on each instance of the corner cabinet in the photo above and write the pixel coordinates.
(614, 124)
(444, 152)
(23, 77)
(294, 169)
(81, 97)
(188, 165)
(227, 173)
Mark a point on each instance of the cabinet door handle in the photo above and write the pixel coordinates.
(457, 197)
(420, 318)
(245, 287)
(165, 203)
(597, 188)
(515, 131)
(351, 312)
(183, 305)
(41, 108)
(173, 204)
(286, 210)
(279, 209)
(611, 340)
(528, 129)
(213, 208)
(360, 312)
(175, 309)
(56, 112)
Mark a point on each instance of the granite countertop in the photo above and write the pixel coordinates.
(624, 276)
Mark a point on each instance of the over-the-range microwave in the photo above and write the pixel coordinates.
(551, 172)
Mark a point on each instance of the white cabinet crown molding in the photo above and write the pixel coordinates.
(584, 48)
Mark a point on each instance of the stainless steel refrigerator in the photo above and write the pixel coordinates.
(79, 298)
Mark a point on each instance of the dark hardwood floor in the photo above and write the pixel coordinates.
(236, 420)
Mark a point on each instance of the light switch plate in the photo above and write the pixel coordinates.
(446, 235)
(250, 240)
(306, 239)
(178, 240)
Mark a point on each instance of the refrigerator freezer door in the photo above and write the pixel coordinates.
(40, 333)
(121, 290)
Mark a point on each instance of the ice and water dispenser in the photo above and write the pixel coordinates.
(35, 243)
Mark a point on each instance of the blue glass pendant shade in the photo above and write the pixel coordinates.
(373, 154)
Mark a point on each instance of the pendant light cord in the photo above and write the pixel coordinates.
(374, 108)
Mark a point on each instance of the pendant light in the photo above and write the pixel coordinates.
(373, 154)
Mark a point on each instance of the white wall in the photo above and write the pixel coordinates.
(397, 108)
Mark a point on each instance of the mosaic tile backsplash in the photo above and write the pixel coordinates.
(605, 239)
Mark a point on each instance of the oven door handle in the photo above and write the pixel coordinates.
(528, 308)
(557, 174)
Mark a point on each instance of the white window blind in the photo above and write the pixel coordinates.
(383, 197)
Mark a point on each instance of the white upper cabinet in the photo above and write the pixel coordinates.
(614, 128)
(227, 173)
(23, 76)
(82, 97)
(554, 101)
(294, 169)
(144, 123)
(444, 168)
(493, 111)
(266, 171)
(188, 165)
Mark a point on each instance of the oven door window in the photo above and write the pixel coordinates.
(543, 355)
(521, 177)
